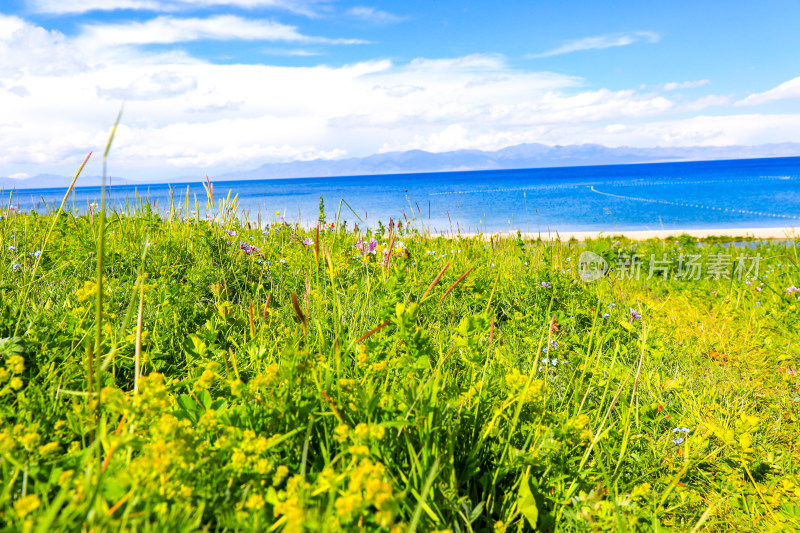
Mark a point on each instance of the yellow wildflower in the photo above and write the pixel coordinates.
(341, 432)
(361, 431)
(255, 502)
(16, 364)
(29, 440)
(359, 450)
(280, 475)
(205, 380)
(49, 449)
(27, 504)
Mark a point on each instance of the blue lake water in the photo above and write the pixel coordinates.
(711, 194)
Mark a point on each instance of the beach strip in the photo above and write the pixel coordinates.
(777, 233)
(782, 233)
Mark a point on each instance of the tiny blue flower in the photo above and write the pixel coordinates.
(12, 248)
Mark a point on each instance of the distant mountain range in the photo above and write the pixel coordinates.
(414, 161)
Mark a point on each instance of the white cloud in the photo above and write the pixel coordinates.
(491, 127)
(789, 89)
(398, 91)
(184, 116)
(164, 84)
(704, 130)
(698, 131)
(290, 52)
(84, 6)
(601, 42)
(166, 30)
(9, 25)
(707, 101)
(19, 90)
(685, 85)
(26, 48)
(375, 16)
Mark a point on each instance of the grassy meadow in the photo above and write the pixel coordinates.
(167, 372)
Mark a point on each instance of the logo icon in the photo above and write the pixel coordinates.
(592, 267)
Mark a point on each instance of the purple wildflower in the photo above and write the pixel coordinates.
(308, 241)
(635, 315)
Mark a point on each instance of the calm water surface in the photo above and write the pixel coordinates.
(718, 194)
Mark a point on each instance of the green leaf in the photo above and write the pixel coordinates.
(12, 346)
(527, 504)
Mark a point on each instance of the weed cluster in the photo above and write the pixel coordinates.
(212, 374)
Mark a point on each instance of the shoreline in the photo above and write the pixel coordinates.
(777, 233)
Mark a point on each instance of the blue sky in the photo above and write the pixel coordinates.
(217, 85)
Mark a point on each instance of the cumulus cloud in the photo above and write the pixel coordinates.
(491, 127)
(705, 130)
(698, 131)
(601, 42)
(294, 52)
(375, 16)
(164, 84)
(186, 116)
(789, 89)
(19, 90)
(685, 85)
(26, 48)
(398, 91)
(167, 29)
(60, 7)
(707, 101)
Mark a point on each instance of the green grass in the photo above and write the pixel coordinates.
(301, 386)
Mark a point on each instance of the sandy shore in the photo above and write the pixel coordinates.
(758, 233)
